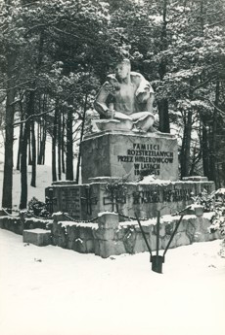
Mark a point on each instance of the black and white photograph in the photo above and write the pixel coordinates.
(112, 167)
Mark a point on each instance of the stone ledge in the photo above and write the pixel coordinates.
(39, 237)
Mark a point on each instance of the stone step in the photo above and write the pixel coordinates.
(39, 237)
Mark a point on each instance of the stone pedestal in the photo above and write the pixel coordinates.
(113, 166)
(129, 156)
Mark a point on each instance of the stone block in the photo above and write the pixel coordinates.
(120, 233)
(202, 225)
(108, 220)
(2, 222)
(71, 244)
(59, 235)
(97, 247)
(33, 223)
(201, 237)
(90, 246)
(73, 232)
(112, 154)
(146, 229)
(63, 240)
(215, 235)
(162, 229)
(165, 240)
(12, 224)
(140, 245)
(190, 230)
(108, 248)
(39, 237)
(104, 234)
(86, 233)
(182, 239)
(80, 246)
(119, 248)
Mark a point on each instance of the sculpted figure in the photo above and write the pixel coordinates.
(126, 95)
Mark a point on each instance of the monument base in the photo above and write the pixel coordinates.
(86, 201)
(129, 155)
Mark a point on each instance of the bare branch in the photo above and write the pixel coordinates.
(214, 106)
(15, 102)
(32, 116)
(215, 23)
(65, 32)
(3, 99)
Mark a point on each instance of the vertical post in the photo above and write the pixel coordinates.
(157, 233)
(157, 260)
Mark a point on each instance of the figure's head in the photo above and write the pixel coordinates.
(123, 69)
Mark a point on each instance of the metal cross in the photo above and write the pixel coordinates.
(89, 200)
(114, 198)
(50, 200)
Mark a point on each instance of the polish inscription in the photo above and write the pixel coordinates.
(161, 196)
(146, 158)
(70, 202)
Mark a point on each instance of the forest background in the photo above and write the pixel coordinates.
(54, 56)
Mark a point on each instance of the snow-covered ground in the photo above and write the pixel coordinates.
(44, 176)
(52, 291)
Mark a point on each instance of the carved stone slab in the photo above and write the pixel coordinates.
(129, 155)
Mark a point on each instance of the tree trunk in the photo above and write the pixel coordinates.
(81, 137)
(205, 149)
(164, 124)
(29, 140)
(33, 175)
(19, 148)
(9, 132)
(63, 144)
(69, 146)
(54, 135)
(41, 155)
(213, 150)
(186, 146)
(23, 195)
(38, 140)
(163, 105)
(44, 142)
(59, 146)
(29, 111)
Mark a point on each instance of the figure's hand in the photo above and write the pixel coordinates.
(142, 96)
(109, 114)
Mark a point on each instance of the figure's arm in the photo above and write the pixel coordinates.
(149, 102)
(100, 102)
(144, 92)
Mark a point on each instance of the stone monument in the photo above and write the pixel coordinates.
(127, 166)
(125, 100)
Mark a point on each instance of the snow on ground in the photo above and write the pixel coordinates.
(43, 173)
(53, 291)
(43, 180)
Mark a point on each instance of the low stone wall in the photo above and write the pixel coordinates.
(18, 224)
(111, 237)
